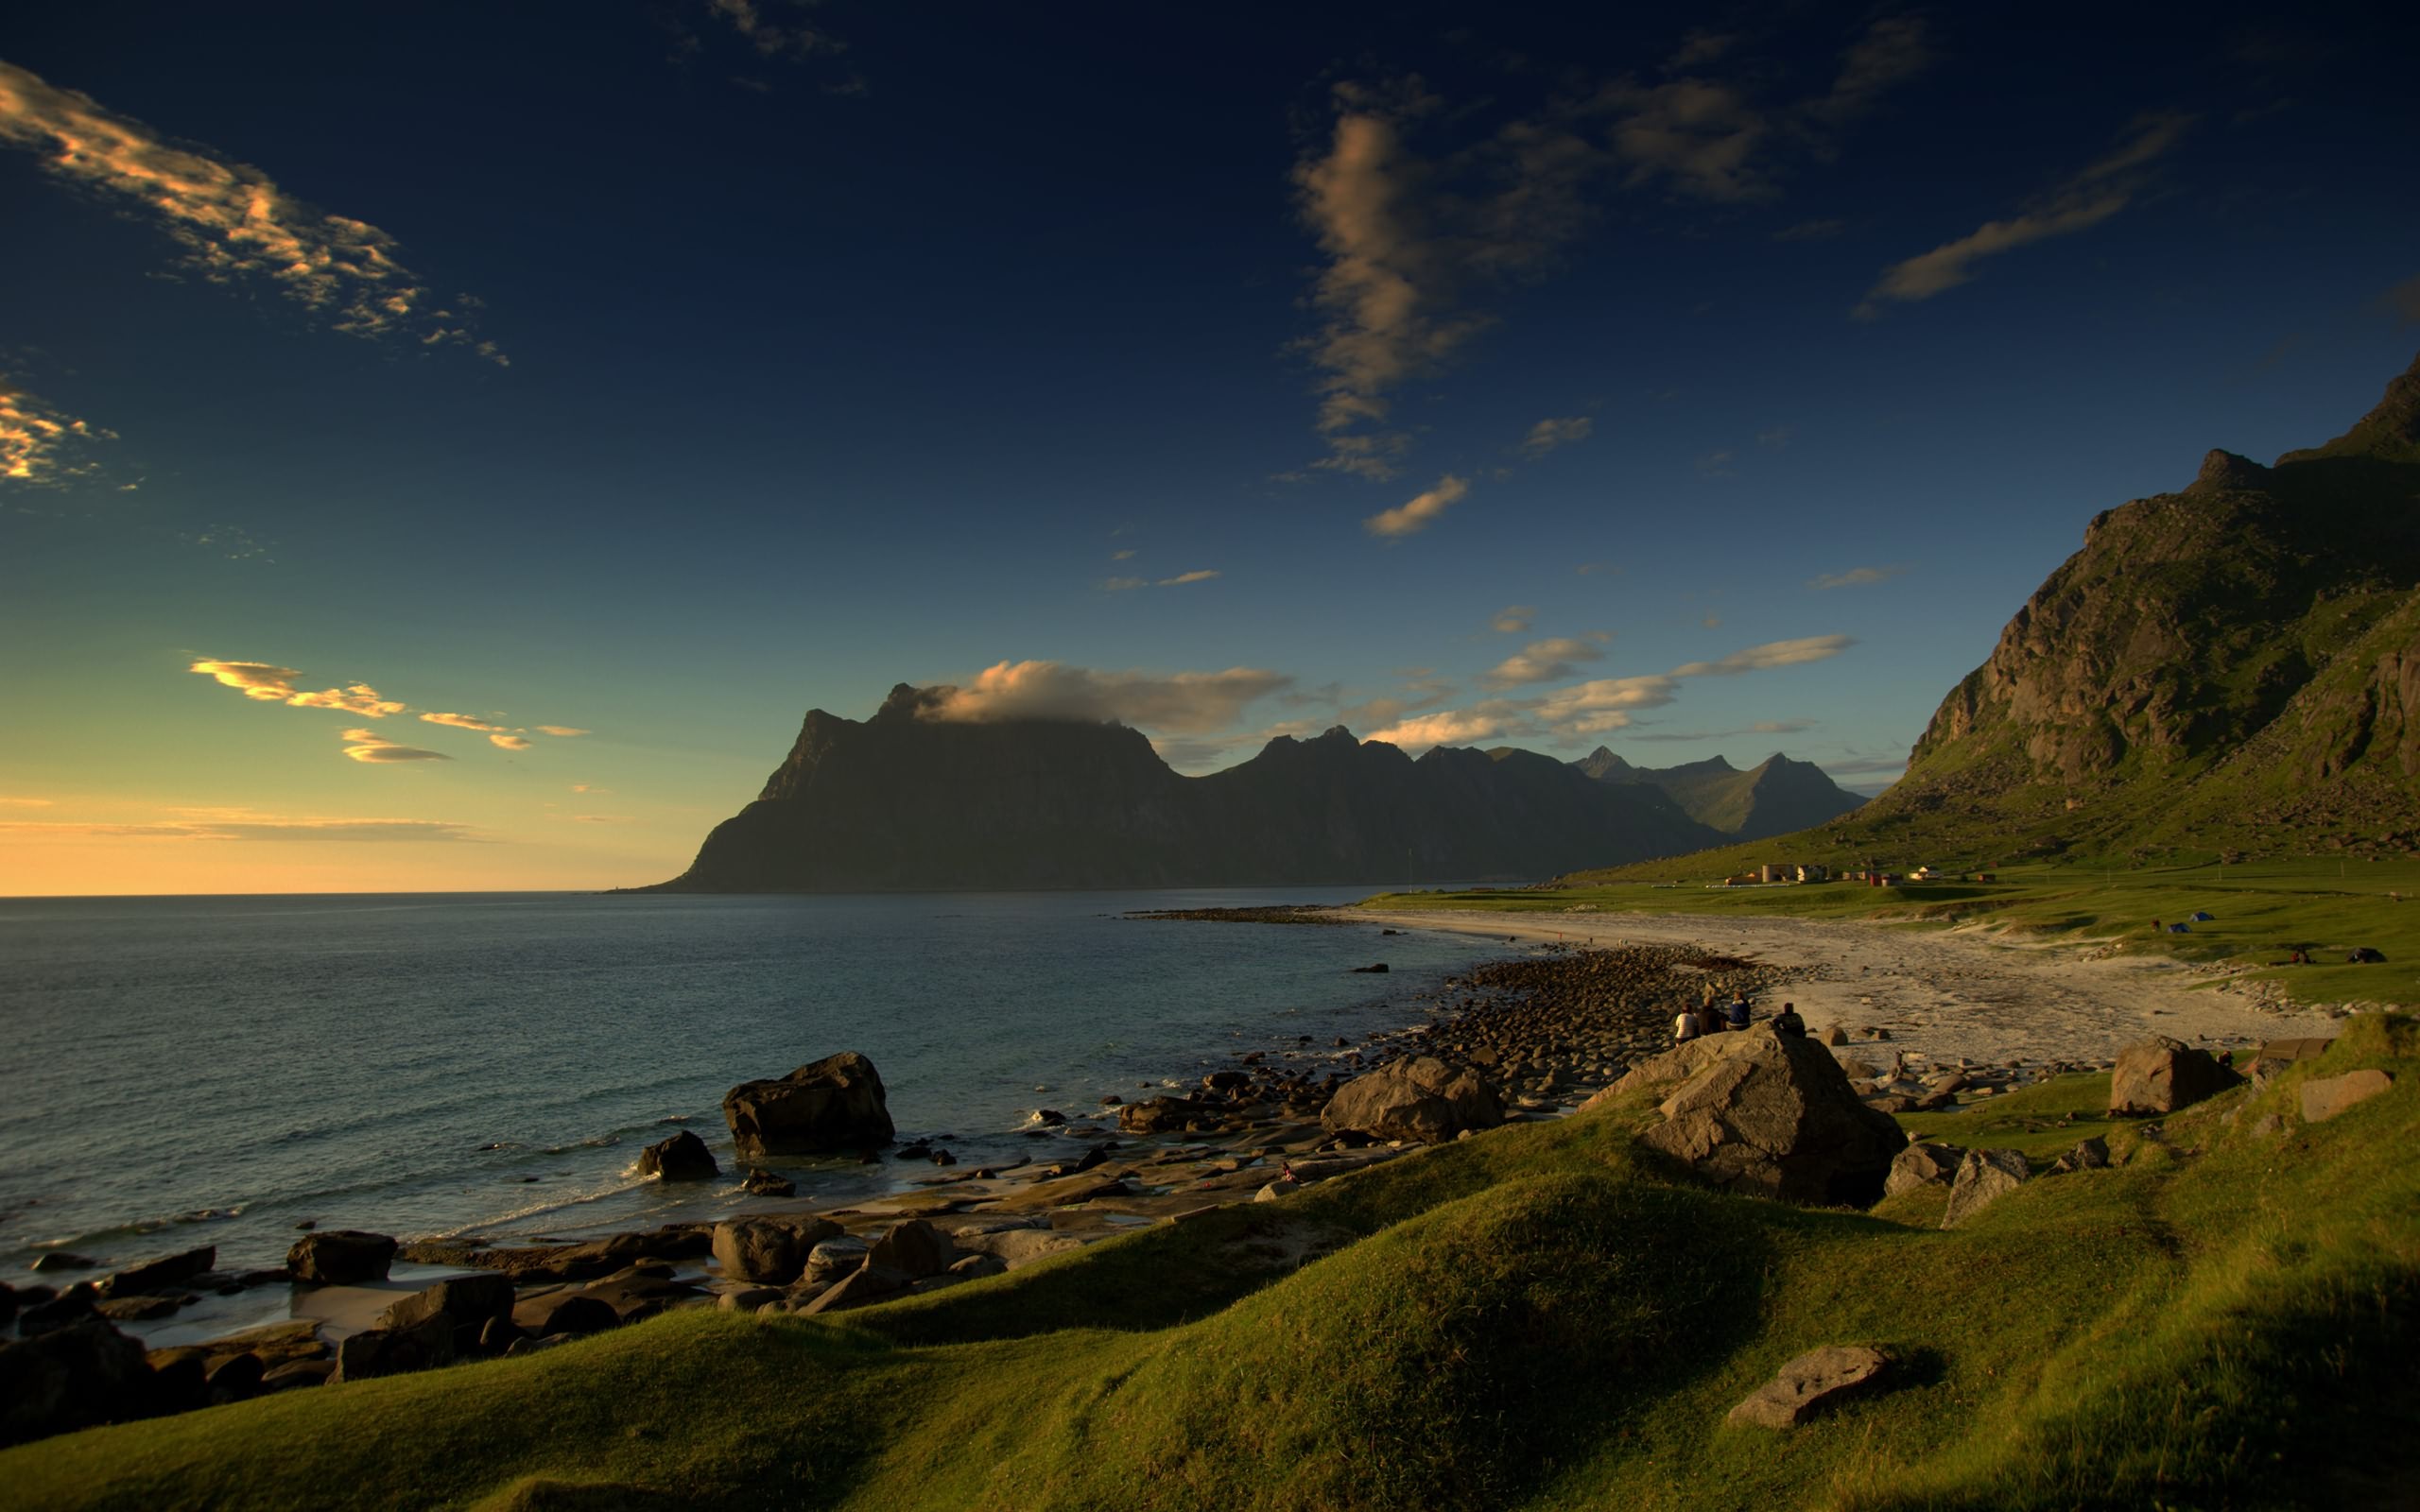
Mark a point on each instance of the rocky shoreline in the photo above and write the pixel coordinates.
(1525, 1038)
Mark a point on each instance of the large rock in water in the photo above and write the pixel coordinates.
(2160, 1076)
(1769, 1114)
(1420, 1099)
(835, 1106)
(340, 1256)
(681, 1157)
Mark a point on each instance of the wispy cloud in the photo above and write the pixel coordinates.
(460, 722)
(354, 831)
(1197, 575)
(1420, 511)
(231, 220)
(1762, 726)
(1407, 236)
(1128, 555)
(1182, 703)
(510, 742)
(377, 751)
(1697, 134)
(1857, 577)
(563, 731)
(1514, 619)
(2082, 202)
(1599, 705)
(1604, 704)
(1123, 585)
(39, 444)
(268, 683)
(1548, 434)
(1769, 655)
(1544, 662)
(25, 804)
(785, 37)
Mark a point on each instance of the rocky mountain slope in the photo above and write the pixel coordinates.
(908, 801)
(2233, 668)
(1774, 797)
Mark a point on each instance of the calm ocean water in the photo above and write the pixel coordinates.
(192, 1071)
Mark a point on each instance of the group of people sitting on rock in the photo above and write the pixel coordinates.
(1706, 1019)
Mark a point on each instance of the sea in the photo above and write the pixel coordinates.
(222, 1071)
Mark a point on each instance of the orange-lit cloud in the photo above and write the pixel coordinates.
(376, 750)
(1183, 703)
(1548, 434)
(1419, 513)
(1196, 577)
(269, 683)
(229, 218)
(25, 804)
(38, 443)
(460, 722)
(561, 731)
(509, 742)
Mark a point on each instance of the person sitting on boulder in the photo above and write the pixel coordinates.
(1709, 1017)
(1735, 1016)
(1685, 1026)
(1787, 1021)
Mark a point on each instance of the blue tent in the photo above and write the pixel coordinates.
(2179, 929)
(2203, 918)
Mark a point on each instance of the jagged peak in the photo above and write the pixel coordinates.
(1338, 732)
(2222, 470)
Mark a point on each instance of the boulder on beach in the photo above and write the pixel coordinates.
(836, 1105)
(914, 1246)
(340, 1256)
(468, 1303)
(154, 1277)
(681, 1157)
(422, 1346)
(1923, 1165)
(2160, 1076)
(1767, 1113)
(770, 1247)
(1164, 1115)
(1420, 1099)
(73, 1376)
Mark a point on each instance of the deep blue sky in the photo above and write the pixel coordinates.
(1753, 366)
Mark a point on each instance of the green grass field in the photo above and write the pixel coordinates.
(2263, 909)
(1535, 1317)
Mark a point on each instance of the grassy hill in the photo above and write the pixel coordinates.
(1535, 1317)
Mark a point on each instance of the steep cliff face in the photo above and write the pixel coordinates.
(2203, 644)
(906, 802)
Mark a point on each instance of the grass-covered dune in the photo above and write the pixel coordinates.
(1535, 1317)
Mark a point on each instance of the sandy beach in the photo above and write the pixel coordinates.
(1946, 994)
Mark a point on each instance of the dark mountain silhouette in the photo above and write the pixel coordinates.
(1774, 797)
(907, 802)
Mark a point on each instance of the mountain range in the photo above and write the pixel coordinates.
(1774, 797)
(910, 801)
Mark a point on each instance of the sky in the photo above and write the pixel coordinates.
(450, 447)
